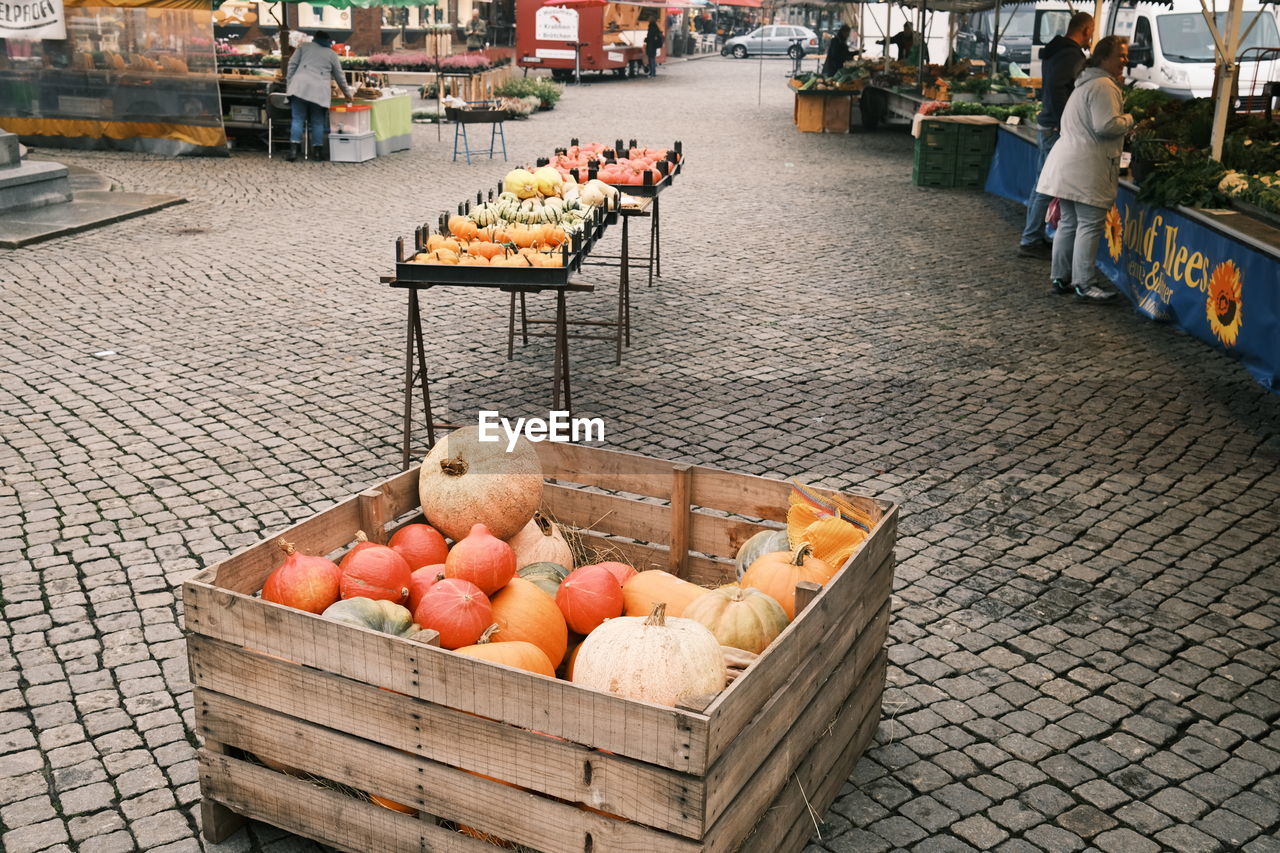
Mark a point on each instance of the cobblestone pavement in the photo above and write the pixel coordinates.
(1084, 643)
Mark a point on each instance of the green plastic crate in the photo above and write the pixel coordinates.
(976, 139)
(933, 175)
(940, 136)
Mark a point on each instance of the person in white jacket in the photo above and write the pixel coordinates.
(311, 67)
(1083, 169)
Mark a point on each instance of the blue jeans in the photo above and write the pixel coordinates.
(1038, 204)
(302, 111)
(1075, 245)
(653, 61)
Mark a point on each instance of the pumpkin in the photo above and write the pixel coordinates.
(565, 670)
(547, 576)
(523, 612)
(777, 573)
(419, 544)
(465, 481)
(303, 582)
(422, 580)
(621, 571)
(540, 541)
(763, 542)
(588, 596)
(517, 654)
(483, 559)
(374, 571)
(457, 610)
(646, 589)
(376, 615)
(654, 659)
(393, 805)
(745, 619)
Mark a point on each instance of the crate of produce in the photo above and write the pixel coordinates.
(354, 120)
(371, 742)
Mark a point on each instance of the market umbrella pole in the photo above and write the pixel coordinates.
(923, 34)
(1227, 69)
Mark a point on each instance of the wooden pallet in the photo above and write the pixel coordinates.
(540, 762)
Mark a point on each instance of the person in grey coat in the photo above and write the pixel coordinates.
(311, 68)
(1083, 169)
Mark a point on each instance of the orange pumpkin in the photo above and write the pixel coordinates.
(776, 575)
(588, 596)
(306, 583)
(393, 805)
(646, 589)
(374, 571)
(419, 544)
(457, 610)
(422, 580)
(524, 612)
(514, 653)
(463, 227)
(483, 559)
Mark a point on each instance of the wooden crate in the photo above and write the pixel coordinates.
(519, 755)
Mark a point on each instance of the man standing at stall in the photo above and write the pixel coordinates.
(475, 31)
(903, 41)
(1061, 62)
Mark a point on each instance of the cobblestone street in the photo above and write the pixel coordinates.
(1086, 626)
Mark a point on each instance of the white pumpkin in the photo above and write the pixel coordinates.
(465, 481)
(540, 541)
(651, 658)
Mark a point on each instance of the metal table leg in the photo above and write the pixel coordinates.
(560, 374)
(414, 341)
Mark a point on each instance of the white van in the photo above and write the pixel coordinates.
(1171, 48)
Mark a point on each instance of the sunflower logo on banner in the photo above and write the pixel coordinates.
(1224, 305)
(1115, 233)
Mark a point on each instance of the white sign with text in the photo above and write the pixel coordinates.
(555, 23)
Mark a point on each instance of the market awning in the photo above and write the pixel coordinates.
(748, 4)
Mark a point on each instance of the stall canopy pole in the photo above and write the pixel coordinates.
(1227, 69)
(995, 42)
(922, 33)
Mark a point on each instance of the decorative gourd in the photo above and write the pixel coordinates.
(621, 571)
(419, 544)
(374, 571)
(588, 596)
(513, 653)
(465, 481)
(547, 576)
(483, 559)
(376, 615)
(457, 610)
(777, 573)
(745, 619)
(540, 541)
(524, 612)
(303, 582)
(422, 580)
(764, 542)
(646, 589)
(654, 659)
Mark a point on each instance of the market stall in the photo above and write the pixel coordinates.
(1211, 272)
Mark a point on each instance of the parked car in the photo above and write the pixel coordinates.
(777, 40)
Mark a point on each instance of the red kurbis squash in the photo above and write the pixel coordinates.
(483, 559)
(420, 545)
(457, 610)
(422, 580)
(303, 582)
(589, 596)
(374, 571)
(621, 571)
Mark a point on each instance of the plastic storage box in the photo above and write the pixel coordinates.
(351, 120)
(352, 147)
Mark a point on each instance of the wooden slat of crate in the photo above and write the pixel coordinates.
(440, 790)
(664, 736)
(809, 725)
(647, 522)
(648, 793)
(849, 590)
(841, 660)
(813, 787)
(306, 809)
(606, 469)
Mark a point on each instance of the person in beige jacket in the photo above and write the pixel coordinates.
(1083, 169)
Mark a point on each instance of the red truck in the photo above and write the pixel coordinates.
(586, 35)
